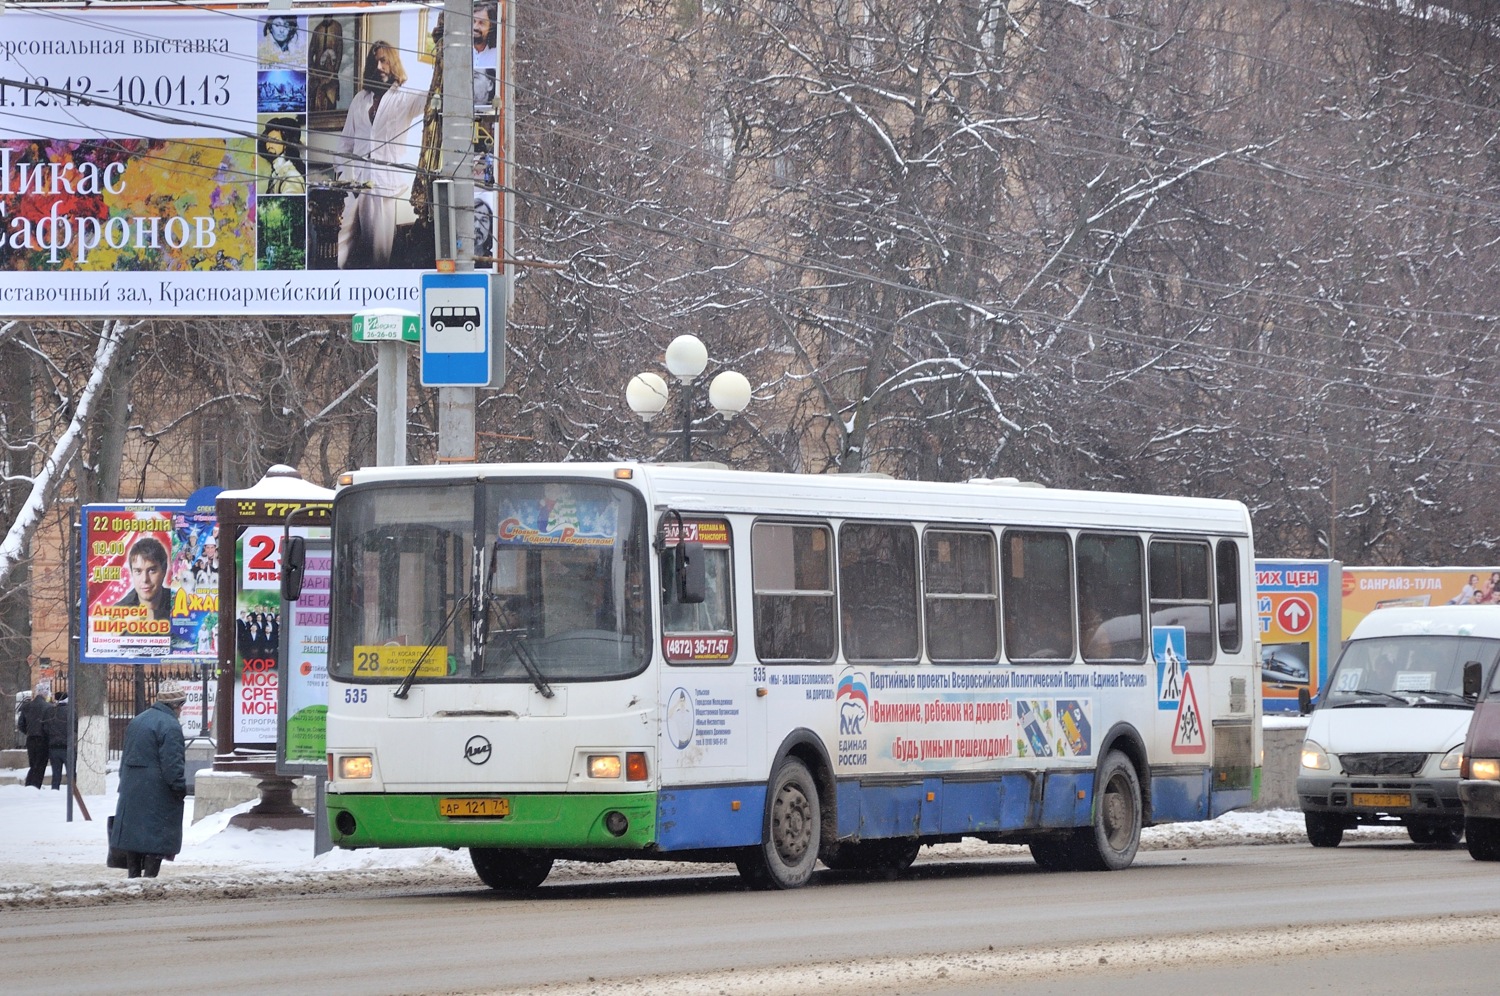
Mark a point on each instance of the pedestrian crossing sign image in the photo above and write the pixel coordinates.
(1187, 732)
(1169, 646)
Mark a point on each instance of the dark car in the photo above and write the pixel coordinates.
(1479, 772)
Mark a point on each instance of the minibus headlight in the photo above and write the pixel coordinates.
(1452, 759)
(604, 766)
(1314, 757)
(1485, 768)
(356, 766)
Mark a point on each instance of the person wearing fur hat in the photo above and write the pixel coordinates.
(147, 826)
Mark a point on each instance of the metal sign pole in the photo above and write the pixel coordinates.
(456, 431)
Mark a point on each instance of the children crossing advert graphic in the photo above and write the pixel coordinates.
(947, 725)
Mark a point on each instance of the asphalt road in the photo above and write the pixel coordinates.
(1203, 920)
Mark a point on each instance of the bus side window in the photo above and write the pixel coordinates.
(1180, 585)
(1228, 588)
(792, 574)
(1111, 597)
(961, 593)
(1038, 596)
(714, 613)
(878, 588)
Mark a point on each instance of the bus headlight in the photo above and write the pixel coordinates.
(633, 766)
(356, 766)
(604, 766)
(1452, 759)
(1314, 757)
(1485, 768)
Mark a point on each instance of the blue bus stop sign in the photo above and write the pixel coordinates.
(456, 341)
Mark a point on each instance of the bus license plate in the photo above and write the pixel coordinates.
(1382, 800)
(474, 807)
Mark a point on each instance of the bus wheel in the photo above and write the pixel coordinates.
(1055, 853)
(1484, 838)
(785, 859)
(889, 857)
(510, 870)
(1323, 830)
(1438, 834)
(1110, 844)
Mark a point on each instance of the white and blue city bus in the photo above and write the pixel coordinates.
(605, 661)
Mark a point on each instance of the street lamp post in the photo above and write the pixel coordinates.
(686, 359)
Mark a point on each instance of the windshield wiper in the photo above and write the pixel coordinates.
(1370, 692)
(1447, 697)
(511, 632)
(405, 686)
(517, 645)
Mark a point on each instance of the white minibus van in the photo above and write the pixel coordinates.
(1384, 743)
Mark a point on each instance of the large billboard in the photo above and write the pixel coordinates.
(1298, 605)
(181, 162)
(1369, 588)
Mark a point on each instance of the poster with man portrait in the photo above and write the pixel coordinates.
(150, 583)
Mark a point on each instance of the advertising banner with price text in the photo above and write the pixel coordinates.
(181, 162)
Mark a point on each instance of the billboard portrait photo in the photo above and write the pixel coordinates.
(150, 583)
(180, 162)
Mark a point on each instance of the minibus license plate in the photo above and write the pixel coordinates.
(1382, 800)
(474, 807)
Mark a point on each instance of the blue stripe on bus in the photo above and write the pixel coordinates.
(692, 818)
(1003, 804)
(1227, 799)
(968, 806)
(1067, 799)
(689, 818)
(1180, 797)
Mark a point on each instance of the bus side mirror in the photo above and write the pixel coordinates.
(689, 578)
(1304, 702)
(293, 564)
(1473, 679)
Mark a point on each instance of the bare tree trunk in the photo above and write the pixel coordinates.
(19, 426)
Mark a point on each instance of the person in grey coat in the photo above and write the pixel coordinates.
(148, 818)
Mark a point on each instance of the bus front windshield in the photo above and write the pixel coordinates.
(549, 586)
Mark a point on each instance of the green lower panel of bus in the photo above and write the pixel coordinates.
(550, 821)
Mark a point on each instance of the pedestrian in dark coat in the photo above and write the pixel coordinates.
(59, 726)
(34, 725)
(153, 784)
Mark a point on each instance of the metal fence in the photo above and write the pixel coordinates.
(133, 687)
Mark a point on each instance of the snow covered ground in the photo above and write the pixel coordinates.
(45, 860)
